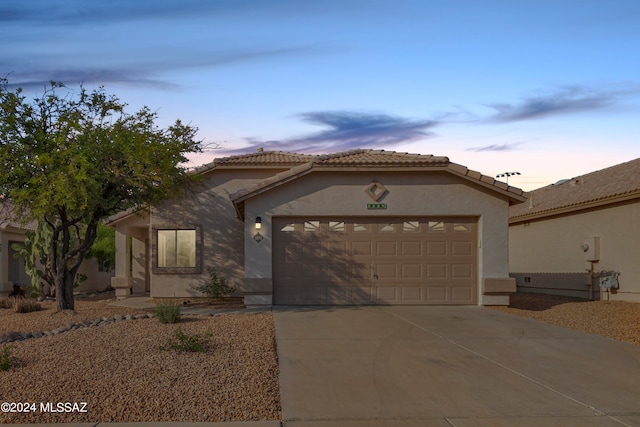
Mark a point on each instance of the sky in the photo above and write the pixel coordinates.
(546, 88)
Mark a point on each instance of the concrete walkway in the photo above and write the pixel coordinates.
(449, 366)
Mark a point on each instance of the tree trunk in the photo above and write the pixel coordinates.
(64, 291)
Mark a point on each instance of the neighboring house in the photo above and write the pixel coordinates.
(359, 227)
(12, 269)
(571, 234)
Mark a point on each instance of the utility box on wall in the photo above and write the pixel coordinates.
(591, 249)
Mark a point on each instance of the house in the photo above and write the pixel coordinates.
(12, 268)
(580, 237)
(358, 227)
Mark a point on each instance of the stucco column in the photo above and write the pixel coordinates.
(139, 259)
(122, 282)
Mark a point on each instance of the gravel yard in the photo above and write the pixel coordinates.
(123, 376)
(618, 320)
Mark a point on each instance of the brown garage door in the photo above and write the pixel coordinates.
(374, 261)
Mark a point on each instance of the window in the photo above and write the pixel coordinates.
(311, 226)
(411, 226)
(336, 226)
(176, 248)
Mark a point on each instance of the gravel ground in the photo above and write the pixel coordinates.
(123, 376)
(618, 320)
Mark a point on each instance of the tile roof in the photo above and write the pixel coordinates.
(363, 158)
(610, 185)
(258, 158)
(8, 218)
(379, 157)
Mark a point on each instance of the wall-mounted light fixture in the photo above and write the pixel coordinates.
(258, 223)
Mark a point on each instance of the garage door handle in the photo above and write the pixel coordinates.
(375, 275)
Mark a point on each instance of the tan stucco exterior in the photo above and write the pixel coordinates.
(12, 270)
(340, 194)
(554, 244)
(224, 206)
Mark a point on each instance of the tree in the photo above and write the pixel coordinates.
(69, 161)
(103, 249)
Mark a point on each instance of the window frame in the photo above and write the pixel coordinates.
(197, 269)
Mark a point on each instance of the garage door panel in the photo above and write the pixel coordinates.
(436, 271)
(462, 294)
(461, 248)
(386, 248)
(386, 293)
(436, 294)
(408, 248)
(411, 294)
(411, 271)
(312, 271)
(338, 295)
(461, 271)
(436, 248)
(374, 261)
(362, 248)
(361, 294)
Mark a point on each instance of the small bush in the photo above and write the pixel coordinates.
(217, 287)
(7, 302)
(168, 312)
(7, 360)
(182, 342)
(27, 306)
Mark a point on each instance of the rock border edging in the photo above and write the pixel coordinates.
(23, 336)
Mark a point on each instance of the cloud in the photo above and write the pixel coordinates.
(507, 146)
(347, 130)
(82, 12)
(140, 72)
(565, 100)
(88, 76)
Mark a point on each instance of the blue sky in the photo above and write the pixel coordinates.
(547, 88)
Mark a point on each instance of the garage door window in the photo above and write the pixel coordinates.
(311, 226)
(336, 226)
(361, 228)
(411, 226)
(436, 227)
(461, 228)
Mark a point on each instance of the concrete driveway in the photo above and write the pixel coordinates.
(449, 366)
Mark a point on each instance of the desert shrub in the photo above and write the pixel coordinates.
(7, 360)
(168, 312)
(182, 342)
(27, 306)
(7, 302)
(216, 287)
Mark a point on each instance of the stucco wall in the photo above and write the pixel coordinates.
(222, 232)
(409, 194)
(553, 245)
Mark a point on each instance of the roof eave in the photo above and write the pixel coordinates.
(575, 207)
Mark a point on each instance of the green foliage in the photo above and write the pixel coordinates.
(70, 160)
(216, 287)
(24, 305)
(182, 342)
(34, 251)
(168, 312)
(7, 360)
(104, 247)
